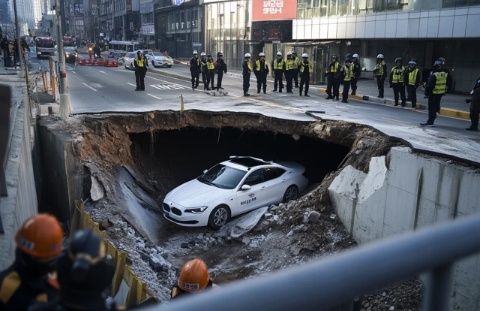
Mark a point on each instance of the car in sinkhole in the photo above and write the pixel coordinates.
(233, 187)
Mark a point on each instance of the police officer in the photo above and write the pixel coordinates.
(357, 71)
(380, 72)
(333, 78)
(397, 78)
(246, 71)
(298, 61)
(140, 65)
(195, 68)
(412, 74)
(290, 65)
(278, 66)
(221, 68)
(474, 106)
(437, 85)
(261, 71)
(28, 281)
(347, 75)
(203, 68)
(305, 68)
(194, 278)
(211, 71)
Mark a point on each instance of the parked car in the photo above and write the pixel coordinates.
(71, 54)
(233, 187)
(157, 59)
(128, 60)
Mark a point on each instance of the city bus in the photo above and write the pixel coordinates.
(123, 46)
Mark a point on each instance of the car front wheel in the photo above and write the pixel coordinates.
(153, 63)
(290, 194)
(219, 217)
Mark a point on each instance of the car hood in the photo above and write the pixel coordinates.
(194, 193)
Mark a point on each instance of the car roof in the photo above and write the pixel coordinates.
(247, 162)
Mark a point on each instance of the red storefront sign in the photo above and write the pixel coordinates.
(268, 10)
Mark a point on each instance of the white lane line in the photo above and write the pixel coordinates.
(131, 84)
(73, 71)
(154, 78)
(156, 97)
(103, 72)
(92, 88)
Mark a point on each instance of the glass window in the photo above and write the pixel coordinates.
(256, 177)
(273, 172)
(222, 176)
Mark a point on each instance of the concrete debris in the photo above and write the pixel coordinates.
(245, 223)
(312, 217)
(96, 191)
(333, 216)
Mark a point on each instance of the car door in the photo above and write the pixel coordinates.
(255, 197)
(274, 185)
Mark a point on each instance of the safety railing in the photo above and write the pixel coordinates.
(335, 281)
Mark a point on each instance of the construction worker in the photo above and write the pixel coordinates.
(28, 281)
(305, 68)
(397, 78)
(195, 68)
(412, 74)
(333, 78)
(193, 279)
(211, 71)
(380, 72)
(261, 71)
(298, 61)
(347, 75)
(204, 70)
(246, 72)
(357, 71)
(437, 85)
(474, 106)
(221, 68)
(289, 71)
(140, 64)
(278, 66)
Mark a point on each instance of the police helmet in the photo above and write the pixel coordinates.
(380, 56)
(247, 55)
(279, 53)
(203, 54)
(398, 60)
(304, 55)
(355, 55)
(261, 54)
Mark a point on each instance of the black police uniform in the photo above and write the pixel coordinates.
(261, 71)
(246, 72)
(221, 68)
(304, 69)
(195, 71)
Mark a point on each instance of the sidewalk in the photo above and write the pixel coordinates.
(453, 105)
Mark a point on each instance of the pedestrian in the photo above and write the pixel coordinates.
(29, 280)
(397, 78)
(261, 72)
(289, 71)
(380, 72)
(194, 278)
(204, 70)
(412, 74)
(298, 61)
(347, 75)
(333, 78)
(195, 69)
(140, 65)
(16, 53)
(221, 68)
(305, 68)
(437, 85)
(357, 71)
(474, 106)
(246, 72)
(211, 71)
(5, 46)
(278, 66)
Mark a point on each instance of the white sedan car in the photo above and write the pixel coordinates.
(157, 59)
(233, 187)
(128, 60)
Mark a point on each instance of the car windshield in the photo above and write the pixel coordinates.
(222, 176)
(131, 55)
(157, 54)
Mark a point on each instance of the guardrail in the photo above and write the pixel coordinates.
(335, 281)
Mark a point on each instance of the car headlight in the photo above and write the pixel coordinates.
(196, 210)
(67, 54)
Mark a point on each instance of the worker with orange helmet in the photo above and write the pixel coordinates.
(28, 280)
(193, 278)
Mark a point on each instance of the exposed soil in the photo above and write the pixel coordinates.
(129, 157)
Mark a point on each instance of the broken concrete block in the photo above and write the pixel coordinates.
(96, 191)
(313, 216)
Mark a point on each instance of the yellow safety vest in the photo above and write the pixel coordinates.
(278, 65)
(348, 72)
(302, 67)
(334, 68)
(250, 67)
(440, 82)
(298, 61)
(412, 76)
(140, 63)
(379, 68)
(398, 74)
(210, 65)
(290, 64)
(257, 65)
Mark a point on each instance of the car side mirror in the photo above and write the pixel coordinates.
(245, 187)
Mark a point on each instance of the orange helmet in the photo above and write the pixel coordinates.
(41, 236)
(194, 276)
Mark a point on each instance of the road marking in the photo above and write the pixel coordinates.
(131, 84)
(156, 97)
(92, 88)
(73, 71)
(102, 71)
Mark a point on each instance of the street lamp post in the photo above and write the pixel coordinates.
(65, 107)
